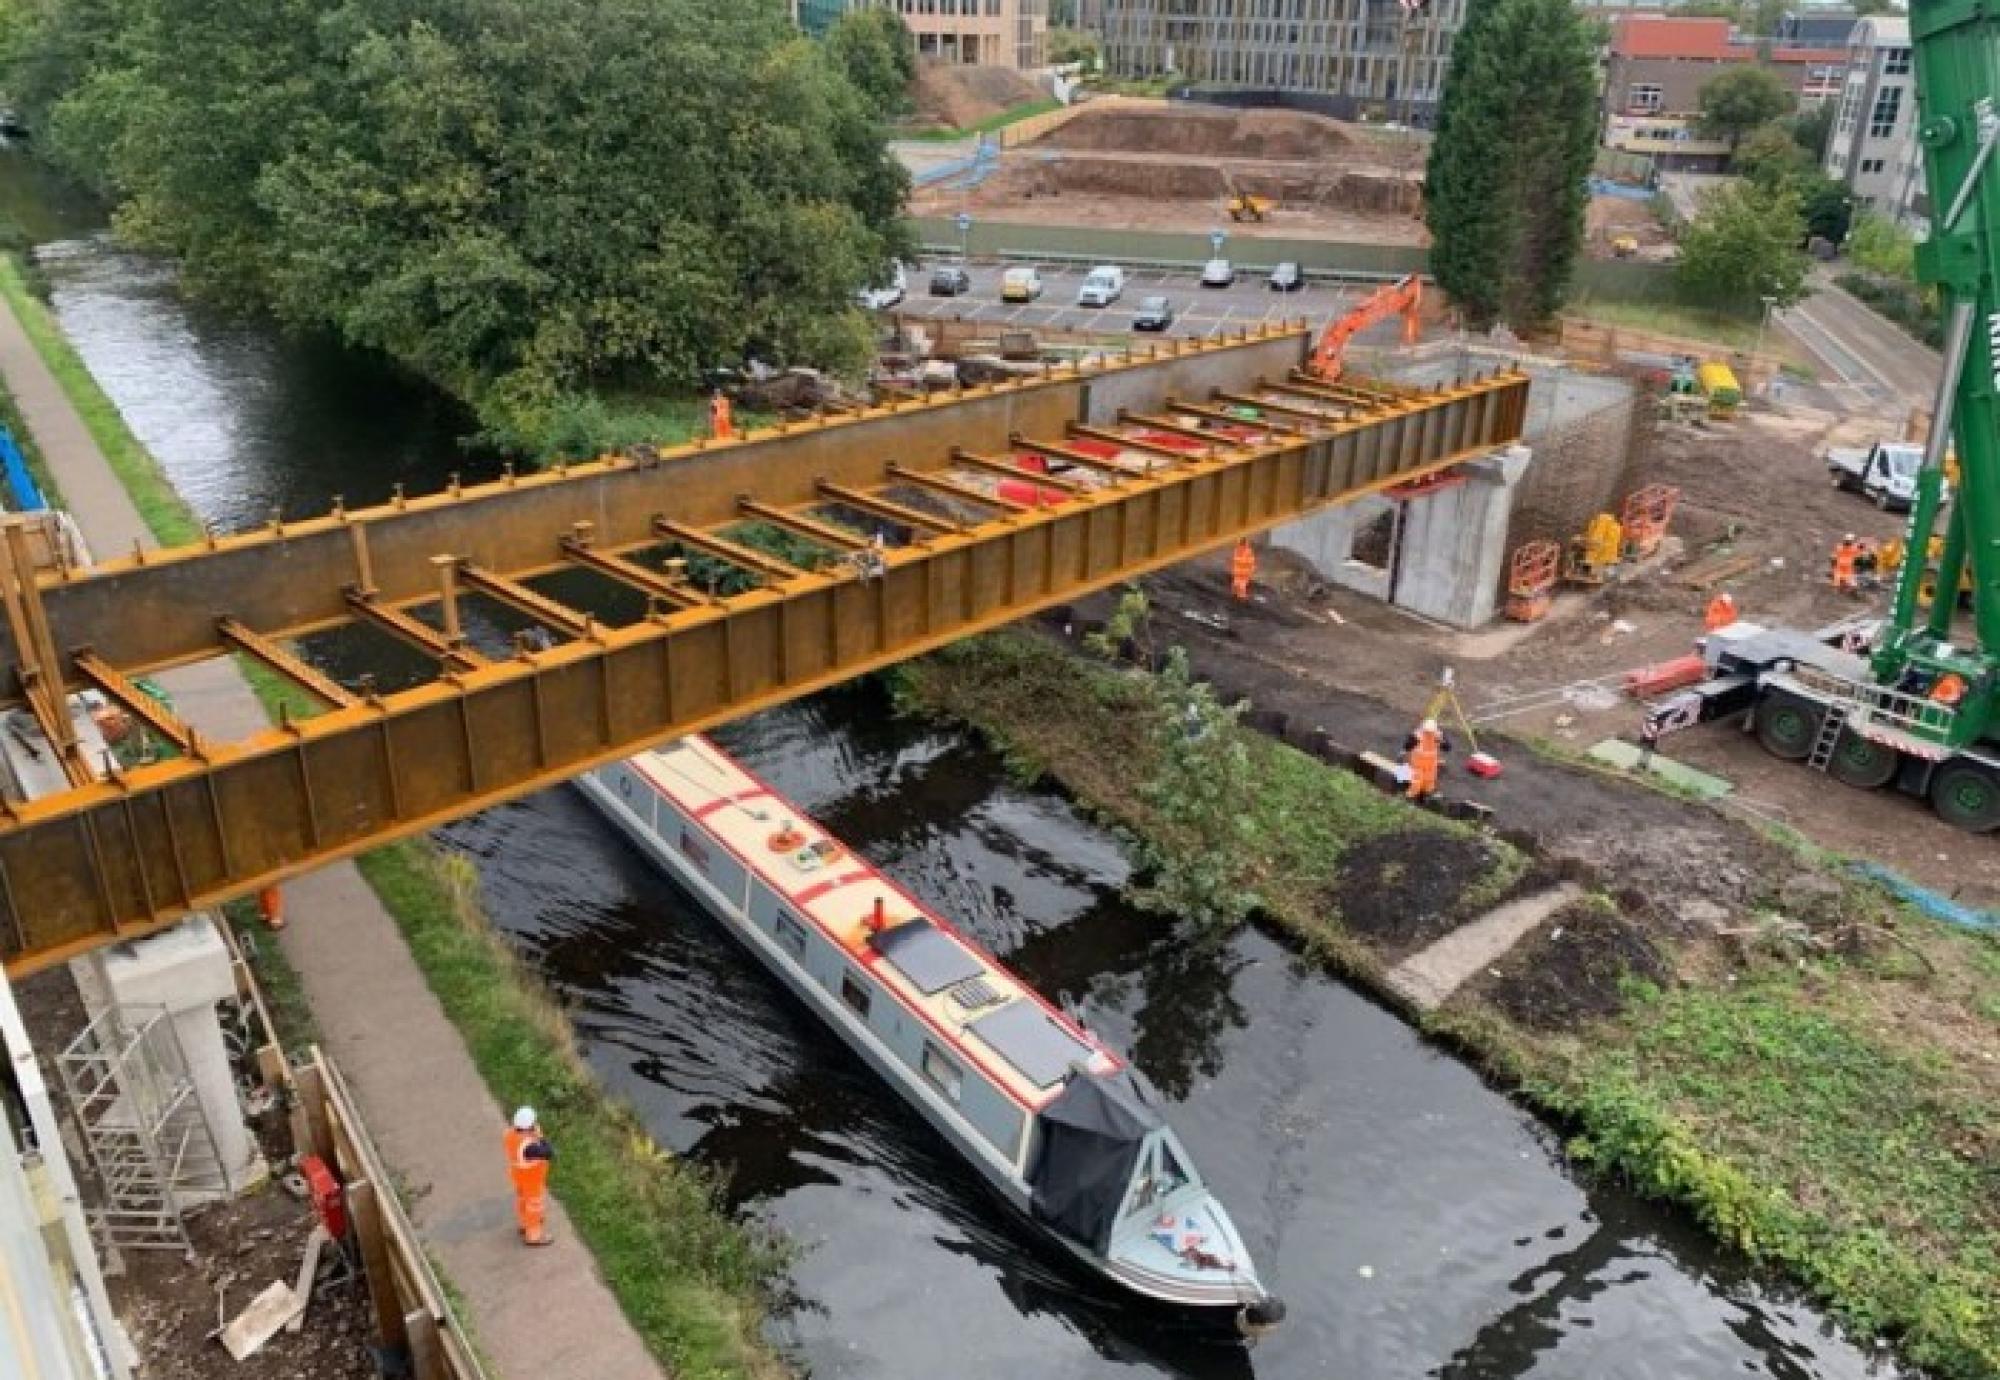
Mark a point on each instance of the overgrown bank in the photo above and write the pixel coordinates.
(1832, 1114)
(690, 1278)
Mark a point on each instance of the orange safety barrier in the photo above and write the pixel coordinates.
(1531, 580)
(1647, 513)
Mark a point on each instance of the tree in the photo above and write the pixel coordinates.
(1506, 184)
(1827, 206)
(1744, 246)
(528, 201)
(1073, 45)
(1741, 99)
(1812, 128)
(874, 48)
(1770, 157)
(1879, 245)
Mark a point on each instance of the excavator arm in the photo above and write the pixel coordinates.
(1404, 297)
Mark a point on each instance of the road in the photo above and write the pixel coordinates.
(1199, 311)
(1873, 362)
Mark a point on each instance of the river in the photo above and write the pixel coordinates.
(1418, 1223)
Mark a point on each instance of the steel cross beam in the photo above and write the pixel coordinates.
(124, 856)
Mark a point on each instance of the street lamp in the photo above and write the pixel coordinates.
(1757, 353)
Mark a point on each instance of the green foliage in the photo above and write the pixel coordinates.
(1909, 306)
(1074, 45)
(1879, 245)
(1740, 99)
(1812, 128)
(876, 51)
(1827, 206)
(1770, 156)
(1745, 246)
(1505, 187)
(525, 200)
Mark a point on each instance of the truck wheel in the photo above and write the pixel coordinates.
(1788, 726)
(1967, 796)
(1860, 763)
(1882, 499)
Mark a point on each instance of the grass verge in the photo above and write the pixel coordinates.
(165, 514)
(1671, 318)
(688, 1276)
(690, 1279)
(1011, 115)
(1830, 1116)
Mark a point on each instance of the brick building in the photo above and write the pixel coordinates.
(1658, 64)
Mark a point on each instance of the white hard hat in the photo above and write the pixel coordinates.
(1429, 726)
(1850, 536)
(524, 1119)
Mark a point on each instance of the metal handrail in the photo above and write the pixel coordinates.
(1912, 713)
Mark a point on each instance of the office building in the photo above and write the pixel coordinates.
(1873, 148)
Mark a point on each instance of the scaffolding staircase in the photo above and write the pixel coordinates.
(149, 1143)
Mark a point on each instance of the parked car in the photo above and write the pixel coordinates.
(885, 295)
(1286, 277)
(950, 280)
(1020, 285)
(1154, 314)
(1102, 286)
(1218, 273)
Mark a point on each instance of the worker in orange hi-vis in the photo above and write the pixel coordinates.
(1948, 690)
(1242, 566)
(529, 1155)
(271, 907)
(1424, 751)
(1844, 557)
(721, 425)
(1721, 612)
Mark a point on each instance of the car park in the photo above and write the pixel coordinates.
(1154, 314)
(1286, 277)
(1218, 273)
(950, 280)
(1020, 285)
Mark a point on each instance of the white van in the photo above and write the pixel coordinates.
(1101, 286)
(1020, 285)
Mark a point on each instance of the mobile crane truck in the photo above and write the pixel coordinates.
(1912, 699)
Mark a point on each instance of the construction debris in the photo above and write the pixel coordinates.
(260, 1322)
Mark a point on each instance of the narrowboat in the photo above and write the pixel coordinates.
(1059, 1125)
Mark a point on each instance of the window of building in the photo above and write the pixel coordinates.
(1871, 165)
(1850, 109)
(1896, 63)
(1643, 97)
(855, 994)
(943, 1073)
(791, 934)
(1882, 119)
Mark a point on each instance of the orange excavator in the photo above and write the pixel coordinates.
(1404, 297)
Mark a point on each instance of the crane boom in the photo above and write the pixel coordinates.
(1404, 296)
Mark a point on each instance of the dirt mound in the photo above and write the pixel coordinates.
(961, 96)
(1202, 133)
(1575, 968)
(1406, 888)
(1161, 179)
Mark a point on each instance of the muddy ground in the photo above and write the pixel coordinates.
(954, 97)
(1363, 673)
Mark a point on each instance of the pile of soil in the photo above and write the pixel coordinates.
(1172, 179)
(961, 96)
(1202, 132)
(1404, 888)
(1576, 967)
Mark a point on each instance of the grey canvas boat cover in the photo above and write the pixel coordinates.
(1091, 1137)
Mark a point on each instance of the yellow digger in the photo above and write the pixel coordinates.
(1889, 561)
(1243, 206)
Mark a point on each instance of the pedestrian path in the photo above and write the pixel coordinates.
(1428, 977)
(535, 1315)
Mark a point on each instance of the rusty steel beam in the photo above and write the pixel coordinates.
(1270, 426)
(828, 534)
(137, 702)
(122, 857)
(920, 524)
(558, 616)
(1177, 428)
(1007, 469)
(308, 678)
(1174, 454)
(744, 558)
(1070, 455)
(652, 582)
(448, 650)
(1309, 415)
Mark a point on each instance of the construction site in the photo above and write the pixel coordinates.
(1311, 841)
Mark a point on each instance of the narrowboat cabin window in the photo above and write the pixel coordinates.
(854, 994)
(943, 1073)
(792, 934)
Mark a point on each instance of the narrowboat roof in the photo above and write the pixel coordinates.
(974, 1007)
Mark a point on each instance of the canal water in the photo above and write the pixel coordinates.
(1417, 1222)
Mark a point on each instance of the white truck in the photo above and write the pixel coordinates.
(1885, 472)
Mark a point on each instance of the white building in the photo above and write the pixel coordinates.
(1873, 148)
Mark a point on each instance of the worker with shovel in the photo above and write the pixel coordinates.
(529, 1155)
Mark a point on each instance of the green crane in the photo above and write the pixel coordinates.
(1914, 701)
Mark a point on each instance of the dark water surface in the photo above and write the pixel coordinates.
(1417, 1223)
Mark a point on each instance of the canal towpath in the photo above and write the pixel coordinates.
(544, 1313)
